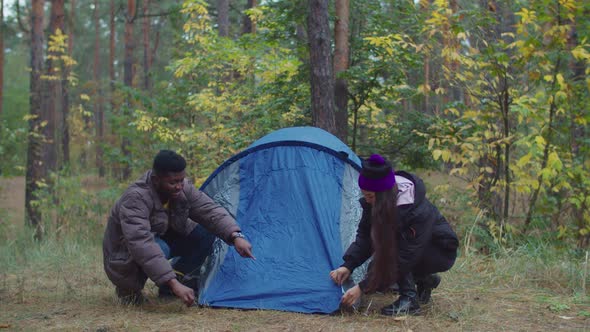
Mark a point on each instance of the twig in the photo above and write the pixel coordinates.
(368, 307)
(467, 244)
(585, 274)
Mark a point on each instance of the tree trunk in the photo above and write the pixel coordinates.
(341, 56)
(65, 92)
(223, 17)
(98, 107)
(548, 136)
(1, 56)
(112, 54)
(146, 47)
(128, 78)
(154, 50)
(489, 199)
(425, 6)
(249, 25)
(577, 70)
(50, 90)
(452, 93)
(35, 168)
(112, 31)
(322, 80)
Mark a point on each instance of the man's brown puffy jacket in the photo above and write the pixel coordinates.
(130, 252)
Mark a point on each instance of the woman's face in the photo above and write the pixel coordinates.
(369, 196)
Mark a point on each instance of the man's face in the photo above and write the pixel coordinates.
(169, 185)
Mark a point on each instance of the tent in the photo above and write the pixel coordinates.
(294, 193)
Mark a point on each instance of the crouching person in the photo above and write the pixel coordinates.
(406, 235)
(162, 215)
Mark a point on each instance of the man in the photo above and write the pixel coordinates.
(156, 219)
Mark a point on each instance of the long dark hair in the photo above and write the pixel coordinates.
(384, 227)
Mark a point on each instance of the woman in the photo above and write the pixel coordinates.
(405, 234)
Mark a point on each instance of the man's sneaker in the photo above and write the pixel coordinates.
(404, 305)
(129, 297)
(425, 286)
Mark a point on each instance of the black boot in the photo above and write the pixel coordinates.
(404, 305)
(425, 285)
(407, 303)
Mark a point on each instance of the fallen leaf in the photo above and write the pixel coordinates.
(454, 316)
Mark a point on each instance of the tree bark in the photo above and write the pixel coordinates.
(35, 169)
(65, 92)
(128, 78)
(146, 46)
(50, 90)
(341, 60)
(322, 80)
(98, 104)
(425, 5)
(223, 17)
(1, 56)
(112, 54)
(112, 32)
(249, 25)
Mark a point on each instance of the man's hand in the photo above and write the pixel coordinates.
(243, 247)
(351, 296)
(186, 294)
(340, 275)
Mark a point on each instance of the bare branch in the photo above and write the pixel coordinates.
(19, 19)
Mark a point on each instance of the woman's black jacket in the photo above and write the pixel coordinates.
(420, 224)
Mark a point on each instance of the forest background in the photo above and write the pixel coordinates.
(486, 99)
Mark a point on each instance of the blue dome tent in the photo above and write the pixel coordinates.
(294, 193)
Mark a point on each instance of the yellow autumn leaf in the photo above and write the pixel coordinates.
(524, 160)
(446, 155)
(580, 53)
(436, 154)
(554, 161)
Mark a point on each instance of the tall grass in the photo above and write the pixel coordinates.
(69, 258)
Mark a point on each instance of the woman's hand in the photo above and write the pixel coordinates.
(340, 275)
(351, 296)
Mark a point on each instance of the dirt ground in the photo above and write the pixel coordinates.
(78, 297)
(87, 303)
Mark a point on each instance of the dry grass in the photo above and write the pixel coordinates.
(60, 285)
(68, 291)
(12, 197)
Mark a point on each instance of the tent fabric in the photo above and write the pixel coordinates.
(294, 194)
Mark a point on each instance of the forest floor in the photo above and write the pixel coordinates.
(61, 286)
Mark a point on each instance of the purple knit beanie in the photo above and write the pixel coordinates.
(376, 174)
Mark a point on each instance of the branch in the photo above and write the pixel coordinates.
(18, 18)
(125, 14)
(162, 13)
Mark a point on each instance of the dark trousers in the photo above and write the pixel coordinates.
(188, 252)
(433, 260)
